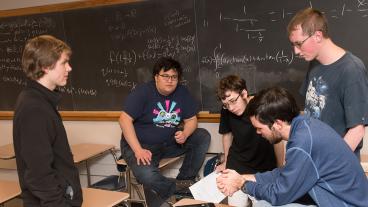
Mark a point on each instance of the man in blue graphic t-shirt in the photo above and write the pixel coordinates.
(336, 84)
(150, 122)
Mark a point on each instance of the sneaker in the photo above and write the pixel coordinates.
(171, 200)
(166, 204)
(182, 188)
(183, 184)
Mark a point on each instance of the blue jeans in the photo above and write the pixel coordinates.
(195, 149)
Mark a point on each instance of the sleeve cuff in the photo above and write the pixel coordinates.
(244, 187)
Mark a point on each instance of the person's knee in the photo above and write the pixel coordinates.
(202, 137)
(145, 176)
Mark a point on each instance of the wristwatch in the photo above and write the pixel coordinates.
(244, 187)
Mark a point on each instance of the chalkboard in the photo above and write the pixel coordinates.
(14, 32)
(114, 47)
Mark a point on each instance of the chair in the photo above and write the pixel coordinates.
(133, 187)
(113, 182)
(126, 181)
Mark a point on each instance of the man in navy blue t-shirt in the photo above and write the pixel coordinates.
(150, 122)
(336, 84)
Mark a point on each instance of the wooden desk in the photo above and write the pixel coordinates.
(364, 163)
(85, 151)
(7, 152)
(102, 198)
(8, 190)
(188, 201)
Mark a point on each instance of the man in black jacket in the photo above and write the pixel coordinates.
(47, 174)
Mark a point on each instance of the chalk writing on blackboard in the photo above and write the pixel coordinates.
(115, 47)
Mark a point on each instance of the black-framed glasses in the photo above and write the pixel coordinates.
(230, 102)
(167, 77)
(300, 43)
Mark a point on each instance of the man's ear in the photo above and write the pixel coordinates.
(278, 124)
(318, 35)
(244, 94)
(46, 70)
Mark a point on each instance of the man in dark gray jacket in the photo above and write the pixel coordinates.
(47, 174)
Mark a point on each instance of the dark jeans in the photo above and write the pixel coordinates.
(194, 148)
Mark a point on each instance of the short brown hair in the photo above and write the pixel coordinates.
(41, 52)
(310, 20)
(230, 83)
(271, 104)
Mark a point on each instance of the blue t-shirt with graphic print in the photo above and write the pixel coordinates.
(337, 93)
(156, 116)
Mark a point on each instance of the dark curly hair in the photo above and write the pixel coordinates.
(167, 63)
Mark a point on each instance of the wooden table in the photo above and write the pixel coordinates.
(7, 152)
(8, 190)
(102, 198)
(85, 151)
(188, 201)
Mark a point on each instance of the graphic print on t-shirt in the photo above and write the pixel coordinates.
(316, 97)
(168, 116)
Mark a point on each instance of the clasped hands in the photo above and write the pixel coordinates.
(229, 181)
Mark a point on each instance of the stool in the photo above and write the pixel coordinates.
(8, 191)
(132, 183)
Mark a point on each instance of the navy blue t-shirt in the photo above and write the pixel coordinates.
(337, 93)
(156, 116)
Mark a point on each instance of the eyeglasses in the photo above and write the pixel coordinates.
(167, 77)
(300, 44)
(230, 102)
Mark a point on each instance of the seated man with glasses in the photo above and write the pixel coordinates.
(245, 151)
(159, 121)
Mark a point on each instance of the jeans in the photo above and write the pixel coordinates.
(195, 149)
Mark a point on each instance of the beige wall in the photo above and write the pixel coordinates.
(106, 132)
(109, 133)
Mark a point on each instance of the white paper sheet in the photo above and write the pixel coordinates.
(206, 189)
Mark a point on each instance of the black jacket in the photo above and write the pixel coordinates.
(44, 159)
